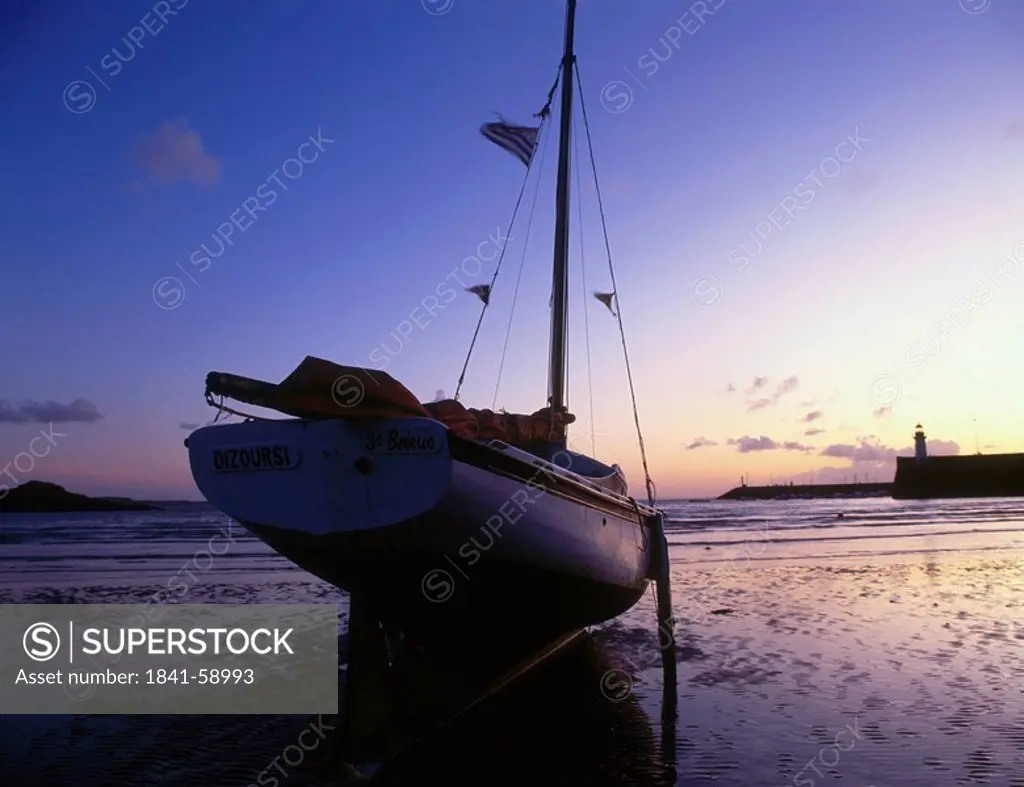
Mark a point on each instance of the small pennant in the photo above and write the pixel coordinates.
(482, 291)
(607, 298)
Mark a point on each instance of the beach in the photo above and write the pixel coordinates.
(883, 648)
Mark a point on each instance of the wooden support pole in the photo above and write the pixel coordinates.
(369, 700)
(666, 619)
(667, 643)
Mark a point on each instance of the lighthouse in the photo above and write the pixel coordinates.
(920, 446)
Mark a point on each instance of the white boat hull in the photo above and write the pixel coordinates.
(431, 526)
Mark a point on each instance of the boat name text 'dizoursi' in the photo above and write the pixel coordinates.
(403, 441)
(255, 457)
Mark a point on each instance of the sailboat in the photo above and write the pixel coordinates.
(447, 519)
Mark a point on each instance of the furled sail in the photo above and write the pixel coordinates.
(320, 389)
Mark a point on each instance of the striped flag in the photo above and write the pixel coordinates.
(607, 298)
(520, 141)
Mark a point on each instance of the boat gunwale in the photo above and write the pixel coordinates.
(576, 489)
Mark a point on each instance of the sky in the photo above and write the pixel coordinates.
(813, 211)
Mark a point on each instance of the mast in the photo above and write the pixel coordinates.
(560, 277)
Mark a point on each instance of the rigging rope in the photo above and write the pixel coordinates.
(544, 115)
(648, 481)
(519, 277)
(497, 269)
(223, 408)
(586, 300)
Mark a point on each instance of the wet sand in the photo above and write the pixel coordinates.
(906, 673)
(885, 652)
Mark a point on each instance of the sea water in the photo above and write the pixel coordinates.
(882, 647)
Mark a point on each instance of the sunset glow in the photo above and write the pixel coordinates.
(814, 215)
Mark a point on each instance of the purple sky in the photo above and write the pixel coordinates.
(815, 204)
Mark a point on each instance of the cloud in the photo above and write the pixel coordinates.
(174, 154)
(866, 451)
(29, 412)
(747, 444)
(700, 442)
(786, 386)
(759, 382)
(868, 459)
(812, 416)
(812, 432)
(871, 450)
(807, 403)
(882, 412)
(943, 448)
(1015, 130)
(730, 388)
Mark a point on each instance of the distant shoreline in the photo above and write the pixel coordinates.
(42, 497)
(806, 491)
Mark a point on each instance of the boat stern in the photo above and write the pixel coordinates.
(322, 476)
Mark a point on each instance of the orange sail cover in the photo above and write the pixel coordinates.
(322, 389)
(512, 428)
